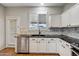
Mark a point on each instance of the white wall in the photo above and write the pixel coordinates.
(68, 6)
(23, 14)
(2, 29)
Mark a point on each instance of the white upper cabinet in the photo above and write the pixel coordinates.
(54, 20)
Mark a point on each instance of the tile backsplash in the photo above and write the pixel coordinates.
(72, 32)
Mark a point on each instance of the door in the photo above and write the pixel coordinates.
(11, 29)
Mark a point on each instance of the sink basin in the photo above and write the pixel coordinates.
(38, 35)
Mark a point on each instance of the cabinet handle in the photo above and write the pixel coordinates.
(33, 39)
(67, 45)
(52, 39)
(61, 41)
(42, 39)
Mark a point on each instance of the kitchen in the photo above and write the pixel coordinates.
(34, 28)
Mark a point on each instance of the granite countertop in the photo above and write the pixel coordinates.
(66, 38)
(63, 37)
(39, 36)
(69, 39)
(45, 36)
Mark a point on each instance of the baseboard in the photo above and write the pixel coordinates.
(10, 45)
(2, 48)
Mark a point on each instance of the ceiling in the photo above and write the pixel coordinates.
(31, 4)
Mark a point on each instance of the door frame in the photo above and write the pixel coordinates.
(7, 29)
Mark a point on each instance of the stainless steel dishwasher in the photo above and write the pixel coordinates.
(22, 44)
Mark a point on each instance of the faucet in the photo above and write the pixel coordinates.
(39, 32)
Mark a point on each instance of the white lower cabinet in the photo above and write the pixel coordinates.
(33, 45)
(64, 48)
(42, 45)
(51, 45)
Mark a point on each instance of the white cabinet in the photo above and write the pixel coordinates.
(64, 48)
(51, 45)
(67, 49)
(42, 45)
(37, 45)
(59, 47)
(33, 46)
(54, 21)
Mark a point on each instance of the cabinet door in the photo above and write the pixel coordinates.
(33, 45)
(54, 20)
(64, 48)
(67, 49)
(51, 46)
(68, 52)
(42, 45)
(61, 48)
(58, 44)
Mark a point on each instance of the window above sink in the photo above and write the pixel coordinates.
(40, 22)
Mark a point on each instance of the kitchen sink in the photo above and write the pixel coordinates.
(38, 35)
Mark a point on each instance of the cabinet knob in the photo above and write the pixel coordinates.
(52, 39)
(67, 45)
(33, 39)
(63, 46)
(60, 41)
(42, 39)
